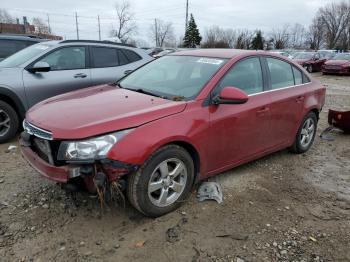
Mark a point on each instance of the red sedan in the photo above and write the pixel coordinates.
(339, 64)
(311, 61)
(173, 122)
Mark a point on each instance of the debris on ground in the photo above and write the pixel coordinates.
(210, 191)
(234, 236)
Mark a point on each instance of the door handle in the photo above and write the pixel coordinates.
(263, 110)
(80, 75)
(299, 99)
(126, 72)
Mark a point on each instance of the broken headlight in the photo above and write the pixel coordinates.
(89, 149)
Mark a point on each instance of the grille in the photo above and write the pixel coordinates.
(36, 131)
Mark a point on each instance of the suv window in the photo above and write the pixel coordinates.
(66, 58)
(281, 73)
(298, 76)
(246, 75)
(132, 56)
(9, 47)
(123, 60)
(104, 57)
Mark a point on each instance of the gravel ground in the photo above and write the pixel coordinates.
(283, 207)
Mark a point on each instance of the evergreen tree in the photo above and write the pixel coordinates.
(258, 41)
(192, 37)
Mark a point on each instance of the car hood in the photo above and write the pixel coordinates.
(99, 110)
(338, 62)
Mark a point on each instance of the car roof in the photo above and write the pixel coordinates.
(21, 37)
(218, 53)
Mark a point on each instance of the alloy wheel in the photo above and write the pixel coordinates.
(167, 182)
(4, 123)
(307, 132)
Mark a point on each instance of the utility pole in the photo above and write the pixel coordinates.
(48, 23)
(99, 28)
(186, 16)
(76, 24)
(156, 31)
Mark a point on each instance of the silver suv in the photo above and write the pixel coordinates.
(51, 68)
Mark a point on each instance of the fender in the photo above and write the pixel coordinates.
(19, 107)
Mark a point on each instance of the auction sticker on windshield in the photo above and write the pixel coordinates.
(210, 61)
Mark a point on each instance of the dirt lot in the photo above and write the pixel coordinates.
(283, 207)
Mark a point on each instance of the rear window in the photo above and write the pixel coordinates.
(104, 57)
(298, 76)
(132, 56)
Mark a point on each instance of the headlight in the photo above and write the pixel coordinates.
(89, 149)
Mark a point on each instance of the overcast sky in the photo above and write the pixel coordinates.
(250, 14)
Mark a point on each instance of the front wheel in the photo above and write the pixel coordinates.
(8, 122)
(309, 68)
(306, 134)
(163, 182)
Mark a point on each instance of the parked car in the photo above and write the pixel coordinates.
(165, 52)
(55, 67)
(339, 64)
(280, 52)
(154, 51)
(10, 44)
(311, 61)
(327, 54)
(173, 122)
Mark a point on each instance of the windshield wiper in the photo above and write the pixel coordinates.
(143, 91)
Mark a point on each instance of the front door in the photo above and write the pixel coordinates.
(240, 132)
(68, 72)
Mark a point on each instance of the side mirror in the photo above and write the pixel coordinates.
(230, 95)
(40, 67)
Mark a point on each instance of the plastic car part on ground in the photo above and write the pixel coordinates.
(210, 191)
(336, 120)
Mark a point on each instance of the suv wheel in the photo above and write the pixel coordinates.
(8, 122)
(163, 182)
(306, 134)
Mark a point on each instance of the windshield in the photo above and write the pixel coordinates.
(342, 57)
(303, 55)
(174, 76)
(24, 55)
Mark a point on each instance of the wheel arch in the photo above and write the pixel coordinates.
(13, 100)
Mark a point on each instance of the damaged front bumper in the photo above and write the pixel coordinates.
(112, 170)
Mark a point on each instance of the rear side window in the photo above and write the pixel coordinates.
(298, 77)
(123, 60)
(104, 57)
(66, 58)
(9, 47)
(245, 75)
(281, 73)
(131, 55)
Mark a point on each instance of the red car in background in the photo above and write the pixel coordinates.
(173, 122)
(339, 64)
(311, 61)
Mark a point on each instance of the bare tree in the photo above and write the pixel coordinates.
(40, 26)
(315, 35)
(280, 37)
(335, 18)
(244, 39)
(297, 36)
(216, 37)
(162, 33)
(126, 25)
(5, 17)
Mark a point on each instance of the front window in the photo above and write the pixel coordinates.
(24, 55)
(174, 76)
(303, 55)
(342, 57)
(66, 58)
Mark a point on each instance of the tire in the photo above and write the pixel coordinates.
(309, 68)
(142, 187)
(8, 122)
(304, 139)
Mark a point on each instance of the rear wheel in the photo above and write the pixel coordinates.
(306, 134)
(309, 68)
(8, 122)
(163, 182)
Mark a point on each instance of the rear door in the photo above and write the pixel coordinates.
(240, 132)
(287, 94)
(109, 64)
(69, 72)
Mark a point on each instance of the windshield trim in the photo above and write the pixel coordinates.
(170, 96)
